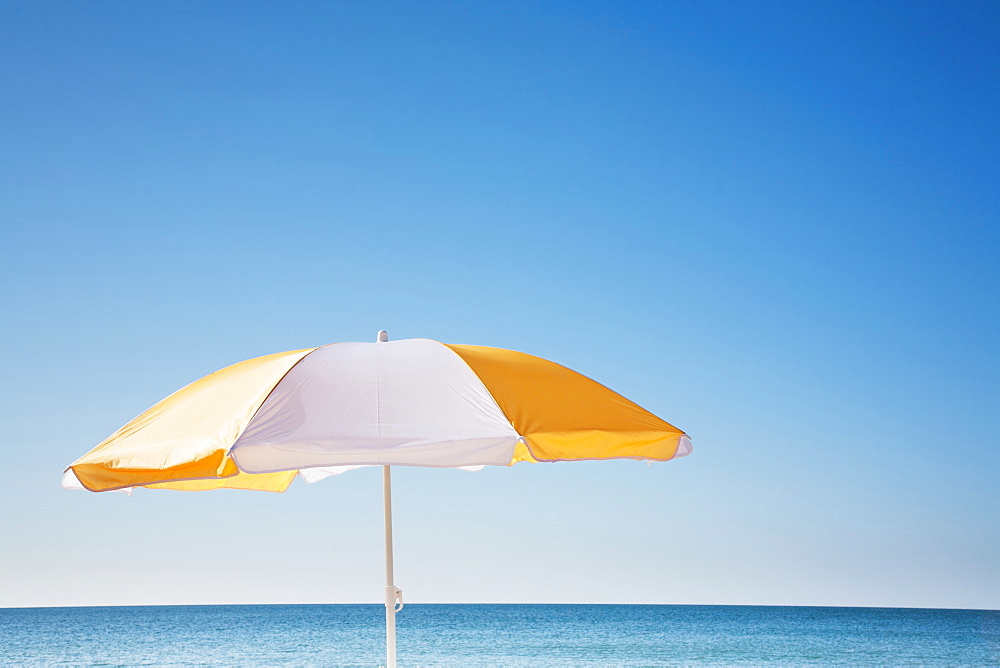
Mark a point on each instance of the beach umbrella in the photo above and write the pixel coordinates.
(321, 411)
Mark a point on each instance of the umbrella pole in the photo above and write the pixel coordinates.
(392, 594)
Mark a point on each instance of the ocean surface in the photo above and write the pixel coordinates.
(498, 635)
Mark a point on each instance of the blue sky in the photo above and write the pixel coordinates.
(776, 225)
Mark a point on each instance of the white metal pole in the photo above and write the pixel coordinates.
(391, 593)
(393, 596)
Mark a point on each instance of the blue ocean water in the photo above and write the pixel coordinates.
(498, 635)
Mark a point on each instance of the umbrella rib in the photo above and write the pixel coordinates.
(378, 407)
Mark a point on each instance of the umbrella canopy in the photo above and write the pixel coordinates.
(320, 411)
(413, 402)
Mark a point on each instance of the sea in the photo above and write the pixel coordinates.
(498, 635)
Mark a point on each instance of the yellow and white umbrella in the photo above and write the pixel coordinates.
(415, 402)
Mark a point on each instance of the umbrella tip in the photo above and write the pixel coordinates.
(383, 336)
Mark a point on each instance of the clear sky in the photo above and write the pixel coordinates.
(774, 224)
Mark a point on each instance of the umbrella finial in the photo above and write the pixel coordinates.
(383, 336)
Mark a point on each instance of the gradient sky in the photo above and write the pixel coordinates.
(776, 225)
